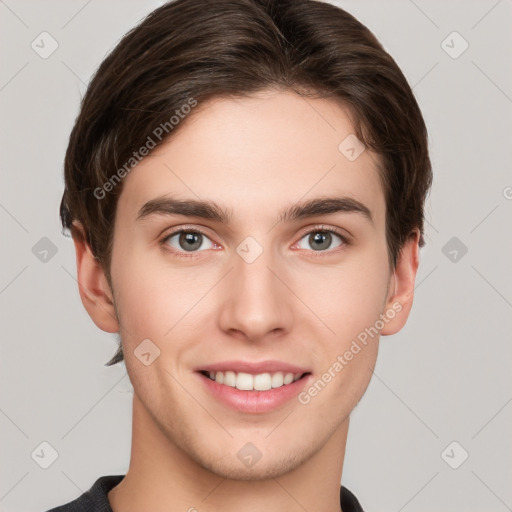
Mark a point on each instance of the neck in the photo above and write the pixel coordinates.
(162, 477)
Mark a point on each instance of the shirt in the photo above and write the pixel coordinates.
(96, 499)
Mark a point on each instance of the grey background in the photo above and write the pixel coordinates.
(445, 377)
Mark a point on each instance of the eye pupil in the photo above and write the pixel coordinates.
(191, 240)
(322, 236)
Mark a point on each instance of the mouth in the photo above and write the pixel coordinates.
(253, 388)
(253, 382)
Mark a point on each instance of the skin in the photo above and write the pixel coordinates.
(254, 156)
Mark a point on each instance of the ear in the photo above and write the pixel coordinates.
(401, 286)
(93, 286)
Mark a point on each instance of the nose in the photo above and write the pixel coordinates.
(256, 303)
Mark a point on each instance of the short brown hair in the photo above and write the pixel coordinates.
(201, 49)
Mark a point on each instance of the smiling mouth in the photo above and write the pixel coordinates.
(254, 382)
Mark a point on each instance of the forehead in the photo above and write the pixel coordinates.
(252, 154)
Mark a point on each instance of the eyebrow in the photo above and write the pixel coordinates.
(210, 210)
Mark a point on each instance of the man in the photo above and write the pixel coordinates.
(244, 186)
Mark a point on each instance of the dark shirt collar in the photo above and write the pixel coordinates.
(96, 499)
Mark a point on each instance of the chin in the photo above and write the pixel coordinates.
(269, 466)
(235, 470)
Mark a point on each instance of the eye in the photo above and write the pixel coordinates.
(193, 240)
(187, 240)
(321, 238)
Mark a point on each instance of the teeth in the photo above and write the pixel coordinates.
(244, 381)
(230, 379)
(288, 378)
(248, 382)
(262, 381)
(277, 379)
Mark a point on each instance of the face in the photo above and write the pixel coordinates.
(257, 294)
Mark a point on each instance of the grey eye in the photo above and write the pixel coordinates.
(188, 241)
(320, 240)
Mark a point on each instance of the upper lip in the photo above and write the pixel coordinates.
(269, 366)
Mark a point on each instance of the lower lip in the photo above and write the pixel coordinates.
(255, 401)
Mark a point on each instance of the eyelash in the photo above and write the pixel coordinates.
(190, 229)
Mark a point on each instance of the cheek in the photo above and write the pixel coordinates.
(346, 297)
(157, 300)
(350, 306)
